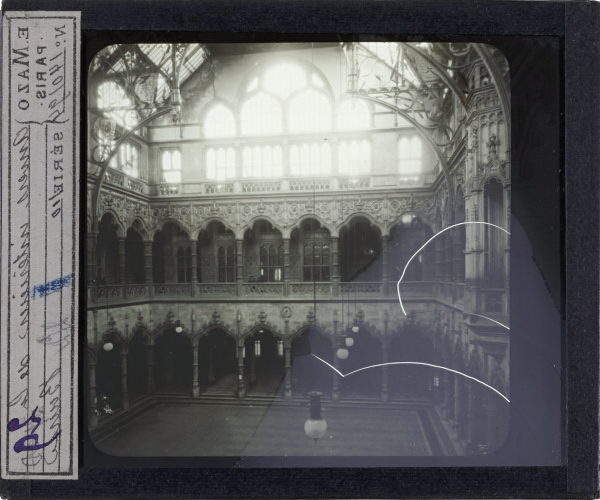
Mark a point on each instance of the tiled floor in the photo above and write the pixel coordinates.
(276, 430)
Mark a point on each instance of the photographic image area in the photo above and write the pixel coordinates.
(298, 249)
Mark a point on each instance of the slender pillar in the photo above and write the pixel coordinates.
(150, 380)
(124, 391)
(471, 416)
(122, 267)
(92, 243)
(211, 365)
(386, 272)
(449, 262)
(335, 265)
(385, 397)
(93, 393)
(491, 411)
(335, 388)
(459, 256)
(195, 379)
(288, 372)
(439, 257)
(241, 393)
(148, 266)
(437, 389)
(239, 252)
(448, 402)
(287, 270)
(194, 263)
(458, 409)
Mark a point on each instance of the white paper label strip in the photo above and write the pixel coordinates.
(40, 231)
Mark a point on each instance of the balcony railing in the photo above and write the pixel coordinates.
(300, 290)
(290, 184)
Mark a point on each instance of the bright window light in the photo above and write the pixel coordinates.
(257, 348)
(171, 165)
(310, 112)
(354, 157)
(354, 114)
(261, 115)
(284, 78)
(280, 348)
(113, 100)
(262, 161)
(219, 122)
(220, 163)
(409, 154)
(310, 159)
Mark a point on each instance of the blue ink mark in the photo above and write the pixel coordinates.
(52, 286)
(20, 445)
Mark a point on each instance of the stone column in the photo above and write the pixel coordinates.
(288, 372)
(335, 389)
(124, 391)
(150, 365)
(471, 416)
(287, 270)
(335, 265)
(385, 261)
(122, 268)
(385, 397)
(92, 243)
(194, 256)
(241, 393)
(448, 403)
(449, 262)
(196, 378)
(491, 413)
(239, 252)
(459, 256)
(211, 365)
(458, 409)
(148, 266)
(439, 258)
(437, 390)
(93, 393)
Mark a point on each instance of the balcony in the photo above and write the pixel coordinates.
(292, 290)
(235, 188)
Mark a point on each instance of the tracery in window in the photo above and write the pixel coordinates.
(354, 114)
(409, 154)
(262, 161)
(226, 264)
(310, 159)
(220, 163)
(284, 78)
(316, 265)
(113, 100)
(261, 115)
(219, 122)
(310, 112)
(354, 157)
(126, 159)
(271, 262)
(184, 265)
(171, 166)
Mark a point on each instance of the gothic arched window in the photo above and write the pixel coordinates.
(309, 111)
(261, 115)
(410, 155)
(219, 122)
(354, 157)
(226, 264)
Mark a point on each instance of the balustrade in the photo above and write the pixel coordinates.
(296, 289)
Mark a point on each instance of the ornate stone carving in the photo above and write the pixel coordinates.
(286, 312)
